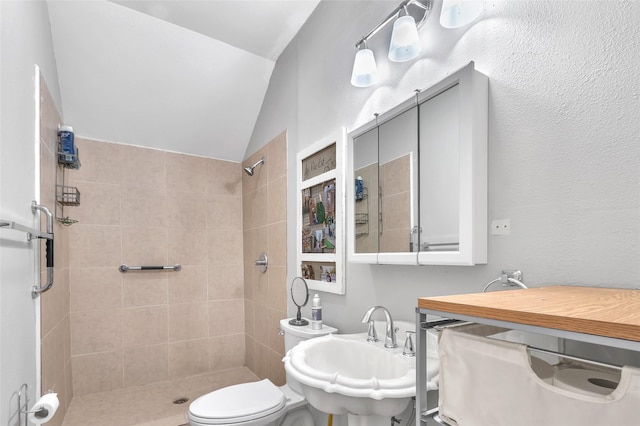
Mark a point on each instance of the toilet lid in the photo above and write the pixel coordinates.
(238, 403)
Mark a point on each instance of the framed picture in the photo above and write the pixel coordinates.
(320, 213)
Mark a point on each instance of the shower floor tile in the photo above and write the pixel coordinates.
(149, 405)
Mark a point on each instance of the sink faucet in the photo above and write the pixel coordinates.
(390, 338)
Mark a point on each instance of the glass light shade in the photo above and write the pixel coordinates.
(365, 71)
(458, 13)
(405, 42)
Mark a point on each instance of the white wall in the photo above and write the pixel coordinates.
(25, 42)
(564, 151)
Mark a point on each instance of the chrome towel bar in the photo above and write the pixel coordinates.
(125, 268)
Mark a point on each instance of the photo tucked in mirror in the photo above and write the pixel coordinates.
(318, 218)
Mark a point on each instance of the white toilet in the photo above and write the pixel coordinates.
(259, 403)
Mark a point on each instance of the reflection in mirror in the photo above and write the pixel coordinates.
(439, 172)
(398, 147)
(365, 149)
(300, 297)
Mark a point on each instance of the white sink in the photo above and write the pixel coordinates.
(345, 374)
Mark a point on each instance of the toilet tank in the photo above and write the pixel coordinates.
(294, 334)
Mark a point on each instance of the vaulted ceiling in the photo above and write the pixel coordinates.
(184, 76)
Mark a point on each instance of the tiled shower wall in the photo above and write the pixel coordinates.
(147, 207)
(265, 213)
(54, 304)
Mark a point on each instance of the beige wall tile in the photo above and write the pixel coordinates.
(277, 200)
(144, 365)
(144, 207)
(188, 321)
(277, 154)
(254, 209)
(261, 324)
(224, 247)
(53, 362)
(99, 204)
(275, 340)
(142, 168)
(187, 246)
(94, 246)
(55, 306)
(68, 382)
(278, 288)
(249, 317)
(225, 282)
(95, 288)
(188, 358)
(395, 215)
(249, 353)
(188, 285)
(66, 338)
(394, 240)
(96, 331)
(226, 317)
(224, 178)
(277, 244)
(137, 314)
(97, 372)
(260, 353)
(186, 210)
(256, 282)
(227, 352)
(144, 246)
(224, 213)
(259, 284)
(144, 326)
(185, 173)
(275, 368)
(144, 288)
(100, 162)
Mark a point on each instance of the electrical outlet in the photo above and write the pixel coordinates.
(515, 274)
(501, 227)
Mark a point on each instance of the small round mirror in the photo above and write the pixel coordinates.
(300, 297)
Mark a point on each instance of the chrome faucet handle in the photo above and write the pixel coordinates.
(409, 346)
(372, 336)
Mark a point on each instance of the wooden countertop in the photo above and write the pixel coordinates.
(609, 312)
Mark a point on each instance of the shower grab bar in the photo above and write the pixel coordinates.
(124, 268)
(36, 234)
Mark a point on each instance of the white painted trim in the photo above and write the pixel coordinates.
(339, 138)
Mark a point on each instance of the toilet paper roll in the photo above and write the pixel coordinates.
(50, 403)
(586, 382)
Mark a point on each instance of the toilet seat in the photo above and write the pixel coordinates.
(230, 405)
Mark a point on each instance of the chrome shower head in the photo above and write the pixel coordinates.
(249, 170)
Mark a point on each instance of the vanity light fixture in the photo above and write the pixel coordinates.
(365, 71)
(458, 13)
(404, 46)
(405, 41)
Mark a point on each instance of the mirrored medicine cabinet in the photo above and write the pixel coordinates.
(418, 173)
